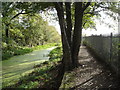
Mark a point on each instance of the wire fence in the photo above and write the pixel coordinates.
(107, 48)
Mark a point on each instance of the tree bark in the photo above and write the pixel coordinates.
(65, 45)
(71, 41)
(68, 22)
(7, 32)
(77, 33)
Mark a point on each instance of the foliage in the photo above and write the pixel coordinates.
(56, 53)
(30, 31)
(9, 51)
(26, 28)
(44, 46)
(40, 75)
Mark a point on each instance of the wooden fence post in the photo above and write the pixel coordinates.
(119, 56)
(119, 42)
(111, 47)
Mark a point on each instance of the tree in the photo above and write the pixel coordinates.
(71, 42)
(52, 34)
(11, 10)
(71, 29)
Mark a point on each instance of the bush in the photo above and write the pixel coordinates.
(6, 55)
(55, 53)
(10, 50)
(13, 51)
(22, 51)
(45, 46)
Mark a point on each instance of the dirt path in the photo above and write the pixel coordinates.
(92, 75)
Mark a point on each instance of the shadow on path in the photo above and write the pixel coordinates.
(93, 75)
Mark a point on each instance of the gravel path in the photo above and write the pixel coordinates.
(91, 76)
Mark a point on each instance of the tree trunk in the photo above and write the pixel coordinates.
(77, 33)
(7, 32)
(65, 45)
(68, 22)
(71, 41)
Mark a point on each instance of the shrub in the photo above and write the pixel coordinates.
(56, 53)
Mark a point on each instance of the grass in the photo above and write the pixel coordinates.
(42, 72)
(45, 46)
(56, 53)
(12, 68)
(14, 51)
(68, 78)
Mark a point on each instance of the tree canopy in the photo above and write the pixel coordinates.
(23, 26)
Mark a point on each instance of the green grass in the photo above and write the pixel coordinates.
(17, 66)
(45, 46)
(14, 51)
(56, 53)
(41, 73)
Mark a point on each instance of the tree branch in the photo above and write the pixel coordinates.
(83, 24)
(19, 14)
(93, 12)
(68, 22)
(104, 7)
(85, 7)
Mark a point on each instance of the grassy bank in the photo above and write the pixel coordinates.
(17, 50)
(43, 74)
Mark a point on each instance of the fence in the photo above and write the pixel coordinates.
(107, 48)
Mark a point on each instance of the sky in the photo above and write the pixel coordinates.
(104, 29)
(101, 27)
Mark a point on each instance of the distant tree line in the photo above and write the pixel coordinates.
(23, 27)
